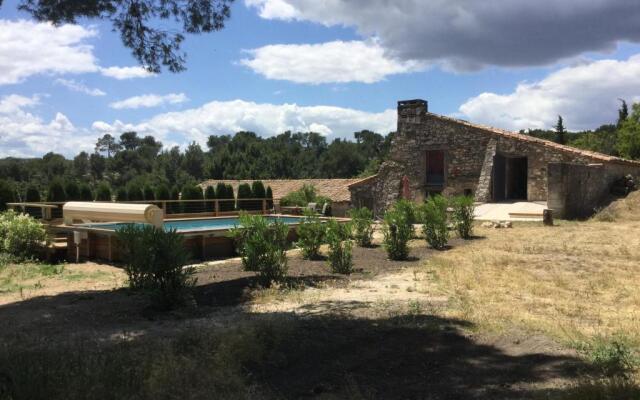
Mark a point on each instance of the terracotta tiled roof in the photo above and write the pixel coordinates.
(335, 189)
(363, 180)
(547, 143)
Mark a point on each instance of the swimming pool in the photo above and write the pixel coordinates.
(199, 225)
(205, 238)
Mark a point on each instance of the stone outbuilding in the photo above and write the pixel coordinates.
(436, 154)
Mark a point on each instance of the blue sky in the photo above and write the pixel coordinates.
(335, 69)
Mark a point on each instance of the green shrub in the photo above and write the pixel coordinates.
(192, 192)
(257, 190)
(7, 194)
(72, 190)
(311, 235)
(462, 216)
(103, 192)
(154, 262)
(32, 195)
(56, 191)
(85, 193)
(225, 191)
(362, 225)
(340, 257)
(210, 194)
(21, 236)
(301, 198)
(397, 230)
(262, 246)
(612, 357)
(434, 214)
(409, 209)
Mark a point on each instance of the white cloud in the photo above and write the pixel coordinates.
(79, 87)
(331, 62)
(228, 117)
(23, 134)
(585, 95)
(470, 34)
(29, 48)
(149, 100)
(122, 73)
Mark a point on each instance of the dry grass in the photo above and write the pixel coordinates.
(572, 281)
(26, 280)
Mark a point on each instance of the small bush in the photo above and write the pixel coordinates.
(301, 198)
(21, 236)
(154, 262)
(462, 216)
(262, 246)
(397, 230)
(612, 357)
(434, 214)
(362, 225)
(311, 235)
(340, 257)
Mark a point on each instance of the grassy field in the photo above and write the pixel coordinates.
(529, 312)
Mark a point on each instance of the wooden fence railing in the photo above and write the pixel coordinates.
(171, 208)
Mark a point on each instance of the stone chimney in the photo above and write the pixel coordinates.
(410, 112)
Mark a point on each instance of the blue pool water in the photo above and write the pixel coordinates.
(201, 224)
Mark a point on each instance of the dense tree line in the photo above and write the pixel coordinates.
(621, 139)
(132, 167)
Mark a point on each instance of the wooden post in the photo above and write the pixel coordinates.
(164, 209)
(217, 207)
(547, 217)
(264, 206)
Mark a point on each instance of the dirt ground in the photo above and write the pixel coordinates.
(492, 317)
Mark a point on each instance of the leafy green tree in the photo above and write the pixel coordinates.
(56, 192)
(141, 25)
(560, 131)
(98, 165)
(107, 144)
(85, 192)
(193, 161)
(81, 165)
(629, 135)
(7, 194)
(269, 195)
(103, 192)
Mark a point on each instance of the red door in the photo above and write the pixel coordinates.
(435, 168)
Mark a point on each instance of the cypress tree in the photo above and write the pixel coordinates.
(258, 192)
(269, 195)
(32, 195)
(210, 194)
(148, 193)
(134, 193)
(244, 192)
(56, 191)
(162, 193)
(7, 194)
(85, 193)
(192, 192)
(72, 190)
(103, 192)
(121, 194)
(560, 131)
(623, 113)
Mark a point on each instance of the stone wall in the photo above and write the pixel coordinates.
(578, 190)
(469, 153)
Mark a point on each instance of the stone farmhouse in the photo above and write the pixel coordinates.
(437, 154)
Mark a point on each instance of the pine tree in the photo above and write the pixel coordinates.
(560, 131)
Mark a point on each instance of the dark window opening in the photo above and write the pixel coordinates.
(509, 178)
(435, 168)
